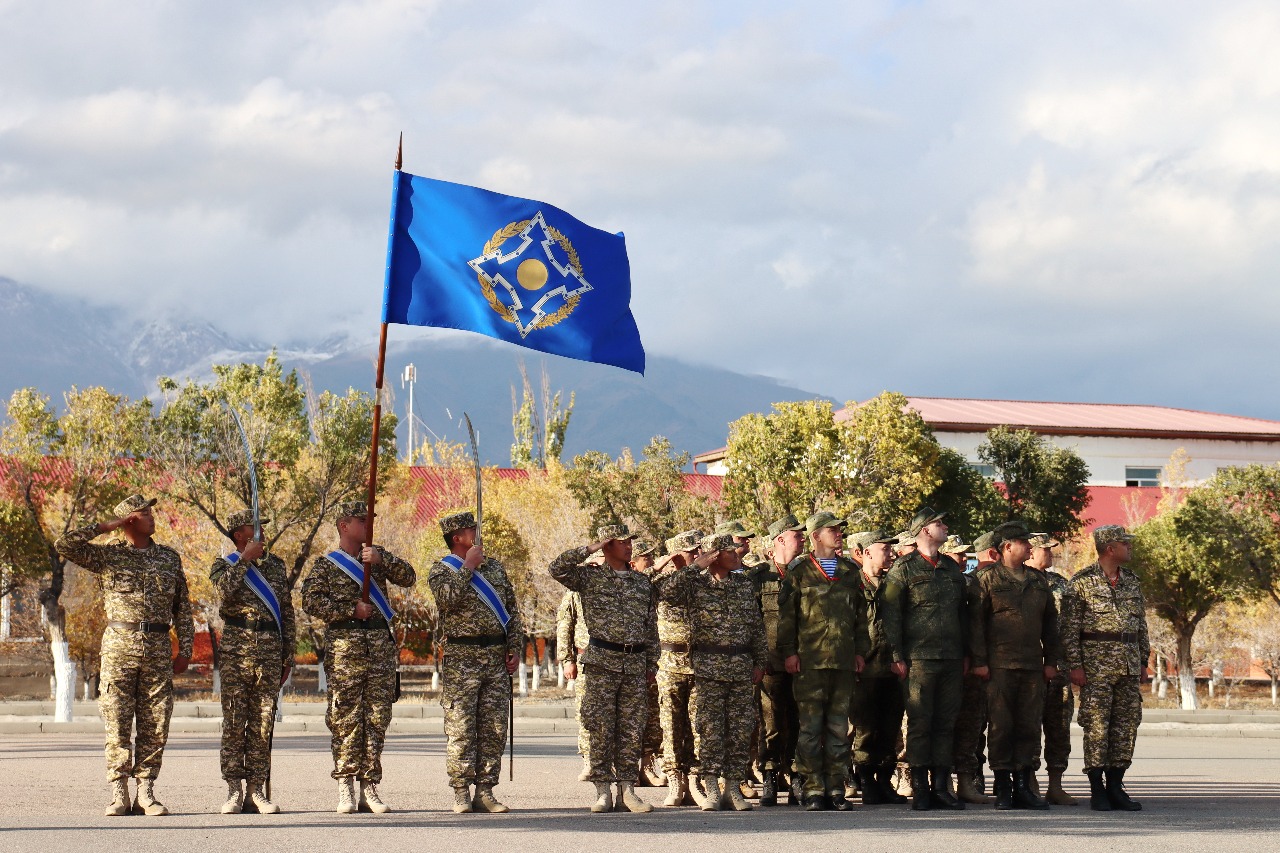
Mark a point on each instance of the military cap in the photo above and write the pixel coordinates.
(241, 518)
(924, 516)
(610, 532)
(734, 528)
(1013, 530)
(1043, 540)
(1108, 533)
(822, 519)
(716, 542)
(133, 503)
(457, 521)
(954, 545)
(787, 522)
(864, 540)
(641, 547)
(906, 537)
(687, 541)
(354, 509)
(987, 541)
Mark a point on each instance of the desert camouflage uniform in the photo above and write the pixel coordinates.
(1111, 700)
(675, 682)
(138, 585)
(476, 692)
(360, 664)
(726, 642)
(571, 635)
(1059, 703)
(252, 662)
(618, 609)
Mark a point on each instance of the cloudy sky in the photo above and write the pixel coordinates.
(1068, 201)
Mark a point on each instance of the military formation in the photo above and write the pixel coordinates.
(838, 666)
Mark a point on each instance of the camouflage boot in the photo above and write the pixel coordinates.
(119, 799)
(235, 798)
(710, 800)
(369, 799)
(604, 798)
(258, 797)
(346, 795)
(629, 800)
(146, 803)
(485, 801)
(462, 802)
(1056, 795)
(967, 789)
(733, 798)
(677, 789)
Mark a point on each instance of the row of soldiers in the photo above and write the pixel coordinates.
(846, 639)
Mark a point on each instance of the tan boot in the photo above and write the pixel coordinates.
(629, 800)
(733, 797)
(903, 785)
(604, 798)
(709, 801)
(259, 799)
(346, 795)
(235, 798)
(369, 799)
(586, 769)
(967, 789)
(1057, 796)
(677, 789)
(462, 803)
(485, 801)
(119, 806)
(146, 803)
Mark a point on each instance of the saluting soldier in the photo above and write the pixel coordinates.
(1059, 703)
(571, 639)
(621, 657)
(145, 596)
(675, 674)
(1106, 646)
(483, 641)
(651, 772)
(256, 656)
(360, 654)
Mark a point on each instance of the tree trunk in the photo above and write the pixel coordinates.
(524, 679)
(1186, 673)
(6, 614)
(322, 683)
(1273, 690)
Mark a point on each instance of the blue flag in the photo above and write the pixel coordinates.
(524, 272)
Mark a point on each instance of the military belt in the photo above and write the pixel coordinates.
(717, 649)
(360, 624)
(1113, 636)
(143, 627)
(674, 647)
(250, 624)
(626, 648)
(483, 640)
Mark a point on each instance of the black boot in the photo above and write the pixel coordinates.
(941, 793)
(884, 776)
(795, 794)
(815, 802)
(1116, 794)
(1023, 796)
(1098, 799)
(837, 800)
(921, 801)
(1003, 790)
(871, 795)
(769, 788)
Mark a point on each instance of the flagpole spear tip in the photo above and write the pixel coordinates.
(400, 151)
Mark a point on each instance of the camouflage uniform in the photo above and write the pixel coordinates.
(777, 702)
(622, 651)
(571, 636)
(138, 585)
(675, 671)
(726, 642)
(1110, 701)
(476, 691)
(1059, 703)
(252, 661)
(876, 711)
(971, 721)
(360, 663)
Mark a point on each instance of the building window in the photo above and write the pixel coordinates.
(1141, 476)
(987, 471)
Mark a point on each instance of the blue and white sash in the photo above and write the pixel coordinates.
(354, 569)
(483, 588)
(256, 582)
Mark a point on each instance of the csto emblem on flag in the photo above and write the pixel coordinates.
(530, 274)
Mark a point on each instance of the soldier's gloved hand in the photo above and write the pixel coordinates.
(1077, 677)
(180, 664)
(792, 664)
(363, 610)
(899, 669)
(571, 671)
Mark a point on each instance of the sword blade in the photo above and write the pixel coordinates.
(475, 458)
(253, 472)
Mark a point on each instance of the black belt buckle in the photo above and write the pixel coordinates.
(150, 627)
(628, 648)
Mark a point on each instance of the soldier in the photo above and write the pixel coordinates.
(256, 656)
(145, 595)
(957, 549)
(360, 654)
(621, 656)
(1059, 703)
(727, 649)
(483, 642)
(821, 636)
(925, 624)
(877, 709)
(741, 541)
(651, 773)
(1105, 643)
(571, 639)
(777, 703)
(906, 544)
(675, 674)
(971, 722)
(1013, 632)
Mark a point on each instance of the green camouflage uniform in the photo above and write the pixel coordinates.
(252, 661)
(571, 635)
(675, 682)
(727, 641)
(1111, 700)
(1059, 703)
(824, 622)
(618, 609)
(926, 627)
(877, 707)
(1013, 630)
(360, 664)
(138, 585)
(971, 721)
(476, 688)
(777, 702)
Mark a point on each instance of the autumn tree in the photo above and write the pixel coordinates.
(538, 425)
(1041, 483)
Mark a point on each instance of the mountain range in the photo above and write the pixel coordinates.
(53, 343)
